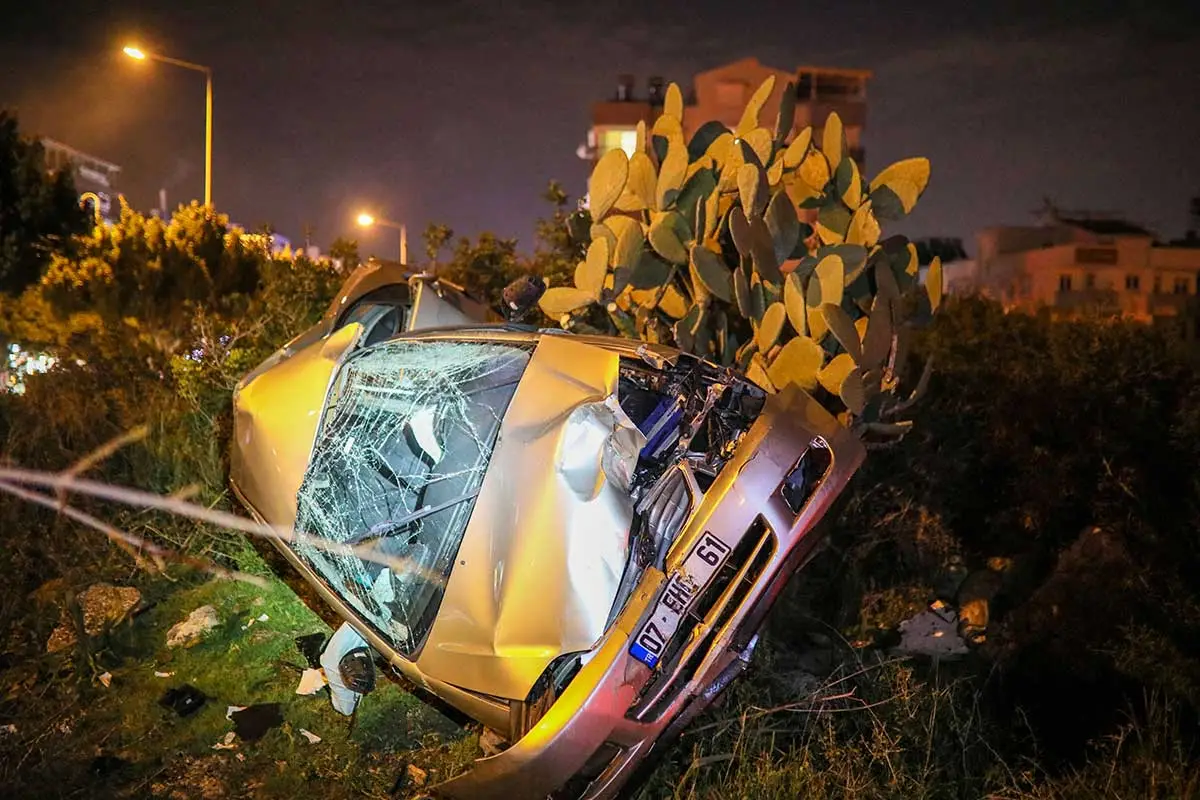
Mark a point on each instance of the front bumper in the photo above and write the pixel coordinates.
(615, 711)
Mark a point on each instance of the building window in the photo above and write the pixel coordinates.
(618, 139)
(1089, 281)
(1064, 283)
(1157, 284)
(1132, 283)
(1094, 255)
(1181, 286)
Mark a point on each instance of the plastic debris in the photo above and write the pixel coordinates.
(184, 700)
(231, 710)
(252, 722)
(158, 674)
(311, 682)
(933, 632)
(8, 730)
(312, 737)
(310, 647)
(190, 630)
(263, 618)
(228, 743)
(106, 679)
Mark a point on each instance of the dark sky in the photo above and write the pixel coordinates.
(461, 112)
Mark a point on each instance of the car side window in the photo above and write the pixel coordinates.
(383, 313)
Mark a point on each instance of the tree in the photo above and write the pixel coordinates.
(148, 289)
(39, 211)
(558, 248)
(436, 237)
(483, 267)
(345, 252)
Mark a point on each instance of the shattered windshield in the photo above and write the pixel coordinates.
(407, 436)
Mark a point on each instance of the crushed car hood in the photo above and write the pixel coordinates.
(542, 557)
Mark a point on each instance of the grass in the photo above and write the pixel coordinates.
(69, 725)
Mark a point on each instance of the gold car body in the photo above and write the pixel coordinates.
(537, 573)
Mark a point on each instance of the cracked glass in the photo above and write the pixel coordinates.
(407, 435)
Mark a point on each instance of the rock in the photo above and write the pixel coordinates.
(192, 629)
(102, 606)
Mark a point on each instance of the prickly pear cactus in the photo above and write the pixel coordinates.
(703, 245)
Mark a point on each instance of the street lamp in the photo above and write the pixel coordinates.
(366, 220)
(141, 55)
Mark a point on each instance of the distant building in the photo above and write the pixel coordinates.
(94, 177)
(1073, 262)
(721, 94)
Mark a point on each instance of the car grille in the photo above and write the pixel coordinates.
(707, 617)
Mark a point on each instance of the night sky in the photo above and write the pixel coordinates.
(461, 112)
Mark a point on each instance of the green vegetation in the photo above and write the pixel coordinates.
(699, 244)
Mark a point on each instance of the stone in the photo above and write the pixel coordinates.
(102, 606)
(192, 629)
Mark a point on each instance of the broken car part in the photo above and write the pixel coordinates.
(572, 539)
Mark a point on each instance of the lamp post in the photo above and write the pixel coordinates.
(368, 220)
(141, 55)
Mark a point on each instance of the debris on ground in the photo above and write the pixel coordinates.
(8, 730)
(310, 646)
(933, 632)
(231, 710)
(491, 742)
(228, 743)
(253, 721)
(312, 737)
(190, 630)
(311, 682)
(416, 775)
(102, 605)
(106, 679)
(158, 674)
(184, 700)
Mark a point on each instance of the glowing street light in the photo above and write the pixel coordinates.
(369, 220)
(141, 55)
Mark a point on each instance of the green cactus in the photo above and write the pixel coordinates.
(761, 249)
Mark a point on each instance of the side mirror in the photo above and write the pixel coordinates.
(358, 670)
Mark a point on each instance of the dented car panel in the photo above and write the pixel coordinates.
(540, 564)
(572, 539)
(603, 711)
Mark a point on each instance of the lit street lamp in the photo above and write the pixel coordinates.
(368, 220)
(141, 55)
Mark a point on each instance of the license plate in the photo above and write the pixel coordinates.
(682, 588)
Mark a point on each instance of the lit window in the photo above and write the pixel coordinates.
(618, 138)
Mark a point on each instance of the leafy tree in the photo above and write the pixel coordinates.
(557, 251)
(38, 211)
(436, 237)
(345, 251)
(483, 267)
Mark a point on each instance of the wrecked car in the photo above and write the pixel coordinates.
(572, 539)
